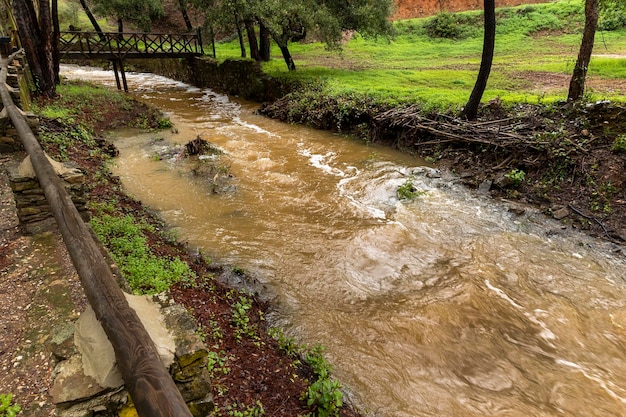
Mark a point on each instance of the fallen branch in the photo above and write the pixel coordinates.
(604, 228)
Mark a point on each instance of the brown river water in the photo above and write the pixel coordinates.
(449, 305)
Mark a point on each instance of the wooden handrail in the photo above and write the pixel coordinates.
(128, 44)
(149, 384)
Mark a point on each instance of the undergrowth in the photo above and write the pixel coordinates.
(145, 272)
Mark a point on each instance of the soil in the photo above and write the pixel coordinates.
(408, 9)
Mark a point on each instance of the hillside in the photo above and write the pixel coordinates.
(407, 9)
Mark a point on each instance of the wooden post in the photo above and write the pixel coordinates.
(150, 385)
(123, 73)
(199, 46)
(117, 75)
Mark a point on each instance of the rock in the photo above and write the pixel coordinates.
(62, 344)
(71, 384)
(503, 181)
(561, 213)
(98, 355)
(485, 186)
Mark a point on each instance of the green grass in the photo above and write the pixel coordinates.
(440, 73)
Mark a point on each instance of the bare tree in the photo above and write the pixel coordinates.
(577, 83)
(470, 110)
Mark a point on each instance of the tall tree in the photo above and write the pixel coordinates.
(252, 39)
(470, 111)
(138, 12)
(182, 4)
(35, 32)
(242, 44)
(577, 82)
(264, 43)
(56, 35)
(92, 19)
(291, 21)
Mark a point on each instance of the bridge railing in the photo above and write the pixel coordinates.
(128, 44)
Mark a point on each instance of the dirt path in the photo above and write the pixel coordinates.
(40, 294)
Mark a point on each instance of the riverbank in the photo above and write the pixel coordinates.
(255, 370)
(566, 160)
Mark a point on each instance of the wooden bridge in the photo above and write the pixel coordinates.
(118, 47)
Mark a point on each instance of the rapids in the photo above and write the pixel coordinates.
(449, 305)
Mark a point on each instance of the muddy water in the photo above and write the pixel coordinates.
(446, 306)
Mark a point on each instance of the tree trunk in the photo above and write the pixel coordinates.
(242, 44)
(92, 19)
(577, 83)
(264, 47)
(56, 34)
(46, 54)
(37, 42)
(470, 111)
(284, 49)
(183, 10)
(252, 41)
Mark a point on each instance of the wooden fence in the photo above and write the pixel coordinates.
(148, 382)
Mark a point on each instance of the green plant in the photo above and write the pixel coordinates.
(241, 410)
(7, 408)
(517, 176)
(612, 15)
(164, 123)
(443, 25)
(241, 320)
(408, 191)
(619, 144)
(145, 272)
(217, 363)
(324, 395)
(287, 344)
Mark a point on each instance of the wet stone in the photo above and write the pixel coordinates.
(484, 187)
(561, 213)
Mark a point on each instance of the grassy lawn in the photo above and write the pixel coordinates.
(532, 40)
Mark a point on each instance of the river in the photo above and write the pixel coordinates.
(448, 305)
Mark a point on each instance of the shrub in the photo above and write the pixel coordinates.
(443, 25)
(612, 15)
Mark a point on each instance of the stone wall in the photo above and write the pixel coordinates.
(9, 140)
(234, 77)
(33, 210)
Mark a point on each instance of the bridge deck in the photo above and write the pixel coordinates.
(119, 46)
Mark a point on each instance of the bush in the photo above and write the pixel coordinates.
(443, 25)
(612, 15)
